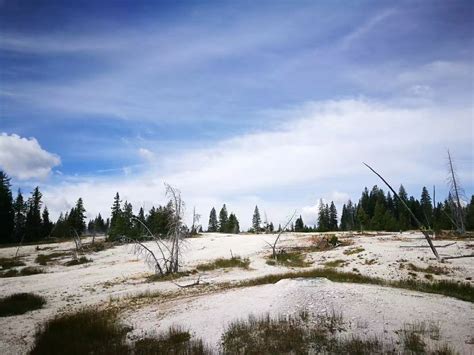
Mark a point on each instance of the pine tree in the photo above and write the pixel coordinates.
(470, 215)
(47, 225)
(323, 217)
(213, 224)
(20, 209)
(378, 220)
(299, 224)
(362, 219)
(233, 224)
(332, 217)
(256, 220)
(426, 207)
(33, 216)
(127, 220)
(404, 219)
(7, 213)
(114, 228)
(223, 219)
(78, 221)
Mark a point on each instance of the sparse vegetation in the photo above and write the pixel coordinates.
(221, 263)
(8, 263)
(335, 263)
(460, 290)
(20, 303)
(44, 259)
(26, 271)
(352, 251)
(169, 277)
(430, 269)
(99, 332)
(289, 259)
(78, 261)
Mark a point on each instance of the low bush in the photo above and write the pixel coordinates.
(20, 303)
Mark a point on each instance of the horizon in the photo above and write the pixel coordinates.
(270, 104)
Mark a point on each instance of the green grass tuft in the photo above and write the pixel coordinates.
(289, 259)
(44, 259)
(221, 263)
(26, 271)
(20, 303)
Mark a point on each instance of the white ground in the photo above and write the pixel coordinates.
(117, 272)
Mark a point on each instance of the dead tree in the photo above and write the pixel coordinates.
(166, 259)
(456, 193)
(420, 225)
(274, 245)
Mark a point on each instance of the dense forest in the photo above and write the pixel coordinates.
(28, 220)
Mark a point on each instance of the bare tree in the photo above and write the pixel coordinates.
(166, 259)
(274, 245)
(456, 193)
(420, 225)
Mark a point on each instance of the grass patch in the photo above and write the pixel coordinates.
(289, 259)
(292, 335)
(44, 259)
(20, 303)
(431, 269)
(222, 263)
(352, 251)
(175, 341)
(460, 290)
(169, 277)
(79, 261)
(29, 270)
(86, 332)
(8, 263)
(335, 263)
(99, 332)
(98, 246)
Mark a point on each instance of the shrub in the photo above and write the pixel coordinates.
(20, 303)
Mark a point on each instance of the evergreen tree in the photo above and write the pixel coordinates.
(233, 224)
(323, 217)
(378, 220)
(61, 228)
(99, 224)
(332, 217)
(223, 219)
(127, 225)
(426, 207)
(33, 223)
(77, 217)
(115, 220)
(362, 219)
(256, 220)
(470, 215)
(20, 210)
(213, 224)
(404, 219)
(7, 213)
(47, 225)
(299, 224)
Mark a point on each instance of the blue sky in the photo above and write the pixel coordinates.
(244, 102)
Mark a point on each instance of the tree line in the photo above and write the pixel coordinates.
(28, 220)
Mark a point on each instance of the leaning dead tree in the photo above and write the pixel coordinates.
(274, 245)
(419, 224)
(165, 259)
(456, 193)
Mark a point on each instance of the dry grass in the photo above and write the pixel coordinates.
(26, 271)
(44, 259)
(8, 263)
(335, 263)
(289, 259)
(352, 251)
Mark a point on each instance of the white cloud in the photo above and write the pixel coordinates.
(24, 158)
(318, 153)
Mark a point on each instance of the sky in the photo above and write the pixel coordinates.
(268, 103)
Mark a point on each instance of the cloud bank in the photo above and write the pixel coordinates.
(315, 153)
(24, 158)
